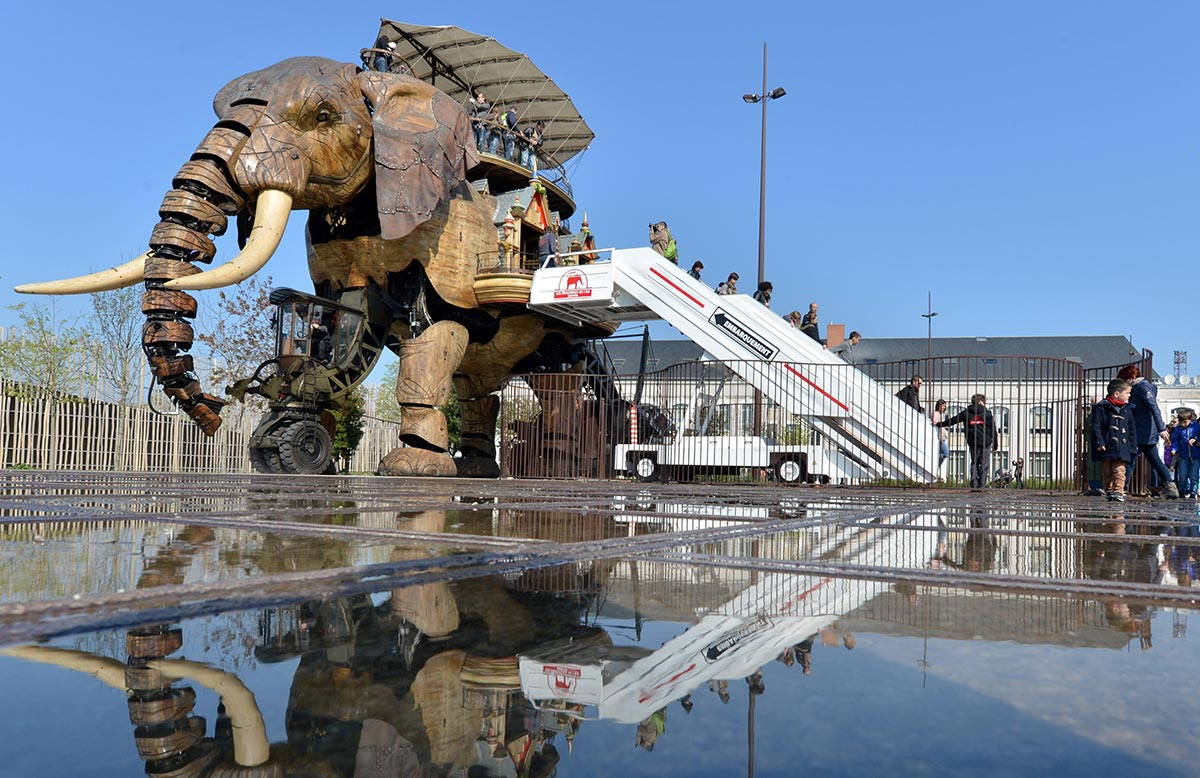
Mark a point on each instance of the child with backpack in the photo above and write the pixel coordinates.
(1114, 442)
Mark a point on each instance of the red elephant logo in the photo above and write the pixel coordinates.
(574, 285)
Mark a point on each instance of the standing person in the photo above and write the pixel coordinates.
(763, 295)
(662, 241)
(533, 141)
(911, 394)
(494, 135)
(1114, 437)
(548, 248)
(1143, 397)
(1019, 473)
(728, 286)
(939, 415)
(511, 131)
(1185, 451)
(845, 349)
(980, 435)
(695, 271)
(382, 61)
(478, 109)
(808, 324)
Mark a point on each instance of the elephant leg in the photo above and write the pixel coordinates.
(479, 414)
(423, 384)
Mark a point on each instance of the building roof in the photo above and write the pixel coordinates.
(1092, 351)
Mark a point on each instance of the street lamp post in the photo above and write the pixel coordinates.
(928, 317)
(762, 97)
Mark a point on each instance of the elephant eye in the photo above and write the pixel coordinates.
(325, 114)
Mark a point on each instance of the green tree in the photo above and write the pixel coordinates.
(349, 431)
(115, 327)
(238, 332)
(388, 409)
(46, 356)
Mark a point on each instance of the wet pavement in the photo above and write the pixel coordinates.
(266, 625)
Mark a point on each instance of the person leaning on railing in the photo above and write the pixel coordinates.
(531, 142)
(478, 109)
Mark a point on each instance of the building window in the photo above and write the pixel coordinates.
(1001, 417)
(1041, 419)
(1039, 465)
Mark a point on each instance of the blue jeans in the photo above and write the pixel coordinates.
(493, 142)
(510, 145)
(1158, 471)
(481, 136)
(1187, 472)
(943, 452)
(381, 63)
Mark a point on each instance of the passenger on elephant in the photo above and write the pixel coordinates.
(548, 248)
(533, 141)
(493, 131)
(478, 109)
(511, 131)
(382, 61)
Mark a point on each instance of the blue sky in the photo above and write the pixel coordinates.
(1034, 165)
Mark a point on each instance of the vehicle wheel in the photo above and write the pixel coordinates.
(645, 467)
(788, 471)
(265, 460)
(305, 448)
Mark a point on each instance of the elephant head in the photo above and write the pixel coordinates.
(306, 133)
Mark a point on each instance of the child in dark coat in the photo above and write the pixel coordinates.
(1114, 440)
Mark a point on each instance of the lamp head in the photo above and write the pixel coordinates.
(777, 93)
(751, 98)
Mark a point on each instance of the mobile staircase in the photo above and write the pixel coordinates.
(884, 435)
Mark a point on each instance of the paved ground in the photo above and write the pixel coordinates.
(286, 539)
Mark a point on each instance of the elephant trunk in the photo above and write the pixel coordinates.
(203, 196)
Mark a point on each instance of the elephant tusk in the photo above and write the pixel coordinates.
(106, 280)
(270, 219)
(250, 744)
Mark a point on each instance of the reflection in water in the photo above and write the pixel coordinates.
(502, 676)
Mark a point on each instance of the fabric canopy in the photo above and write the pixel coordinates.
(458, 61)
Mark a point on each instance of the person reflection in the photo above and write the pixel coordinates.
(1125, 559)
(651, 729)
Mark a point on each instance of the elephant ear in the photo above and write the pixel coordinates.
(423, 148)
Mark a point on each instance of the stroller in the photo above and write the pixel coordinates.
(1001, 479)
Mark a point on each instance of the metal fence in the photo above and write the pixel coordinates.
(48, 432)
(570, 426)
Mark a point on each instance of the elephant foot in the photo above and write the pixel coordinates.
(477, 467)
(418, 461)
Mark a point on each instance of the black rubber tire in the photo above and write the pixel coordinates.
(265, 460)
(789, 471)
(644, 467)
(305, 448)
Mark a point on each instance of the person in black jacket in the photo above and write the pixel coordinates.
(980, 435)
(1114, 437)
(911, 394)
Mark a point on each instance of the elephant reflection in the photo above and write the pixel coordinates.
(380, 161)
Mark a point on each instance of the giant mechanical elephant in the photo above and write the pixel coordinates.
(380, 161)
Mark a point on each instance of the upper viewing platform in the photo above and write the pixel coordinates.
(525, 126)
